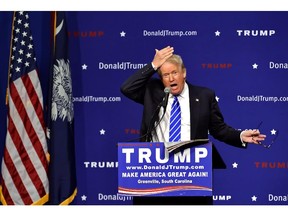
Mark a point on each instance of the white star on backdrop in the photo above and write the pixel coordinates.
(217, 33)
(254, 198)
(273, 132)
(83, 198)
(84, 67)
(102, 132)
(255, 66)
(122, 34)
(217, 98)
(235, 165)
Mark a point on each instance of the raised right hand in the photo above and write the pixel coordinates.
(162, 55)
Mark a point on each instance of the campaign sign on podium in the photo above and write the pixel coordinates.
(149, 169)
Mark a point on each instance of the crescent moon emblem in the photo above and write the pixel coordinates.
(59, 27)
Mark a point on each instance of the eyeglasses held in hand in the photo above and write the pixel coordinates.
(265, 145)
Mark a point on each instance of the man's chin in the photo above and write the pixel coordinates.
(175, 91)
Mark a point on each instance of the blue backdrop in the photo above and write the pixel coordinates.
(241, 55)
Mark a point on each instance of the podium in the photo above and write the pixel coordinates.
(149, 170)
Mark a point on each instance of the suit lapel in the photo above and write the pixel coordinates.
(194, 110)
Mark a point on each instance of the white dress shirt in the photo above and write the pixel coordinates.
(162, 130)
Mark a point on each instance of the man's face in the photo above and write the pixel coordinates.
(173, 77)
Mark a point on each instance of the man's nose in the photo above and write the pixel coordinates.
(171, 77)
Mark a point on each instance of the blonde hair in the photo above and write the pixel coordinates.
(176, 60)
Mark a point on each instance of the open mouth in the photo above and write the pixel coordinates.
(173, 85)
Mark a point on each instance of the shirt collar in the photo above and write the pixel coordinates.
(185, 91)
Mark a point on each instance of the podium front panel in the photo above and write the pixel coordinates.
(148, 169)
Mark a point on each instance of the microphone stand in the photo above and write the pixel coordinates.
(148, 135)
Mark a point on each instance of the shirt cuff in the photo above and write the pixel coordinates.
(155, 68)
(244, 144)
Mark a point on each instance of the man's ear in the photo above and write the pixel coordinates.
(184, 71)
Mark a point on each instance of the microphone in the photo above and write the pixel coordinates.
(167, 90)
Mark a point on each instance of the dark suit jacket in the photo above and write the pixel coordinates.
(205, 114)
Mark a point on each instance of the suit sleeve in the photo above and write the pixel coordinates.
(134, 87)
(219, 129)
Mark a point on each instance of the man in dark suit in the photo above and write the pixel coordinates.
(200, 113)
